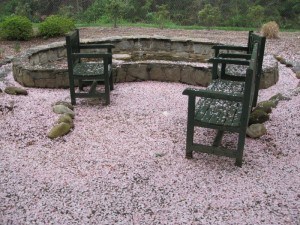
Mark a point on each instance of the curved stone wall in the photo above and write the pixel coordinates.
(135, 59)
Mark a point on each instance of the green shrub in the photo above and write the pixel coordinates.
(162, 15)
(54, 26)
(255, 16)
(210, 16)
(16, 28)
(115, 10)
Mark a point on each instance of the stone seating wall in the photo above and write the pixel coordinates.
(135, 59)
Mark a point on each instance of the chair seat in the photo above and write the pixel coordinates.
(218, 112)
(221, 112)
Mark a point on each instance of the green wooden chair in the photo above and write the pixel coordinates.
(91, 67)
(246, 49)
(224, 106)
(238, 72)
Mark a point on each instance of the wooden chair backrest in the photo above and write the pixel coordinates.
(72, 45)
(249, 41)
(261, 41)
(249, 90)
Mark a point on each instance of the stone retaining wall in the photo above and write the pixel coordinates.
(142, 58)
(190, 73)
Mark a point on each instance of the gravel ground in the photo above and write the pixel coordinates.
(124, 163)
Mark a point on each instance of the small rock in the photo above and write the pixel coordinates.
(278, 57)
(296, 69)
(265, 106)
(289, 64)
(282, 61)
(258, 116)
(69, 105)
(66, 118)
(256, 130)
(1, 90)
(59, 130)
(15, 91)
(296, 91)
(61, 109)
(278, 97)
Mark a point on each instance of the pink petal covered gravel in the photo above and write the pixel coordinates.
(124, 163)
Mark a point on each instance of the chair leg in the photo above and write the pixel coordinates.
(107, 92)
(218, 138)
(255, 97)
(240, 149)
(189, 139)
(189, 142)
(80, 85)
(190, 128)
(111, 82)
(72, 92)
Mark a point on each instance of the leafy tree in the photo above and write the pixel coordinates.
(115, 9)
(23, 10)
(209, 15)
(139, 10)
(162, 15)
(255, 15)
(66, 11)
(185, 12)
(94, 11)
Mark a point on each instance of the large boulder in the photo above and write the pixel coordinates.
(59, 130)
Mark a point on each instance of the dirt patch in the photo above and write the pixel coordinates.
(287, 45)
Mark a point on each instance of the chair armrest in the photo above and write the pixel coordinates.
(230, 47)
(229, 61)
(92, 55)
(237, 97)
(93, 46)
(233, 55)
(217, 48)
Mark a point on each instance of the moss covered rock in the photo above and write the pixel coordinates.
(67, 104)
(256, 130)
(61, 109)
(59, 130)
(258, 116)
(289, 64)
(15, 91)
(278, 57)
(66, 118)
(265, 106)
(278, 97)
